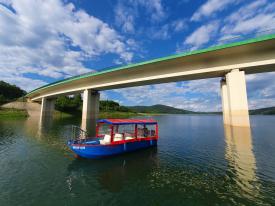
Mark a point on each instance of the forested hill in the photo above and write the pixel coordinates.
(9, 92)
(163, 109)
(263, 111)
(159, 108)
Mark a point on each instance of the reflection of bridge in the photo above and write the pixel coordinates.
(241, 160)
(230, 62)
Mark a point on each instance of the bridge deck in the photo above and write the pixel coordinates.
(253, 56)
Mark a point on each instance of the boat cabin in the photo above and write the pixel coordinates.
(117, 136)
(118, 131)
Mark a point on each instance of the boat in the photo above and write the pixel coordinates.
(116, 136)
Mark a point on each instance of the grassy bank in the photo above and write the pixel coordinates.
(20, 113)
(13, 113)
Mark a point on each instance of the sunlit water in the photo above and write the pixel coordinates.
(197, 162)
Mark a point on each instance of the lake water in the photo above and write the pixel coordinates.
(197, 162)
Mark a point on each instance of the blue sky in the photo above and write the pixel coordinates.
(45, 41)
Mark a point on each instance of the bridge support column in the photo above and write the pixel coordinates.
(234, 99)
(225, 103)
(47, 107)
(90, 111)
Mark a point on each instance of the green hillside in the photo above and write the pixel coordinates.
(159, 108)
(9, 92)
(263, 111)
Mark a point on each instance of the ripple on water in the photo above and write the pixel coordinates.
(7, 138)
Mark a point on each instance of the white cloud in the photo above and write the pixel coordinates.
(103, 95)
(127, 12)
(151, 12)
(161, 33)
(155, 7)
(23, 82)
(199, 95)
(258, 22)
(6, 2)
(52, 39)
(202, 35)
(125, 17)
(261, 90)
(210, 7)
(179, 25)
(254, 17)
(167, 30)
(246, 11)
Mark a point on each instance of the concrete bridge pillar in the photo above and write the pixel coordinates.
(234, 99)
(90, 111)
(47, 107)
(225, 103)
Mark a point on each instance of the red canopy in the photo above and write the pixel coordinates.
(127, 121)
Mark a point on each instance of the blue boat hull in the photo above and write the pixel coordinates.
(98, 151)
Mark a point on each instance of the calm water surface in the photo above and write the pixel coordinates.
(197, 162)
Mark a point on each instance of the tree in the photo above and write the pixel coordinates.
(67, 104)
(124, 109)
(77, 100)
(2, 99)
(73, 104)
(107, 105)
(9, 92)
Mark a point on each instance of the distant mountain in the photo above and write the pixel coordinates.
(159, 108)
(163, 109)
(263, 111)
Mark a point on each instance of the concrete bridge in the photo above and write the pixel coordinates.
(230, 62)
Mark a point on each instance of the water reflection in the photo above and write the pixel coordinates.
(46, 127)
(241, 159)
(36, 126)
(112, 173)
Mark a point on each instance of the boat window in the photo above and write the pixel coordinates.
(152, 130)
(127, 129)
(104, 129)
(146, 131)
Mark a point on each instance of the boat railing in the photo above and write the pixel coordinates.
(78, 133)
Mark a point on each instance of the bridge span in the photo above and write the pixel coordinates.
(230, 62)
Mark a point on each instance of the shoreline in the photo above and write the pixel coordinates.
(13, 113)
(22, 113)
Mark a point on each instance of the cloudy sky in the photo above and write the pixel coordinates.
(42, 41)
